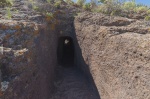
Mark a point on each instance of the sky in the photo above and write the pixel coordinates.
(145, 2)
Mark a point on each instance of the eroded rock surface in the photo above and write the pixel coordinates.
(23, 74)
(117, 52)
(114, 49)
(29, 53)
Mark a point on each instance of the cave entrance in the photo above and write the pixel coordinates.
(65, 51)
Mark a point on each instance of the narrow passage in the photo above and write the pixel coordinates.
(73, 84)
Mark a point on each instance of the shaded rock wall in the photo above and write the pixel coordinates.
(29, 59)
(46, 62)
(117, 52)
(17, 59)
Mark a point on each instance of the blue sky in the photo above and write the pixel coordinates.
(145, 2)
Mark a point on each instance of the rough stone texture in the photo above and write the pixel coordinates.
(28, 59)
(28, 64)
(117, 52)
(21, 61)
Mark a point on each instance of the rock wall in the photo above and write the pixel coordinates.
(28, 64)
(117, 52)
(46, 63)
(28, 60)
(28, 48)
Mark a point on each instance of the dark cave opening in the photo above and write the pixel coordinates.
(65, 51)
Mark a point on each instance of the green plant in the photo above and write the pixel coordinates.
(9, 1)
(147, 18)
(31, 1)
(6, 3)
(110, 7)
(35, 7)
(57, 4)
(87, 6)
(9, 13)
(49, 14)
(101, 1)
(16, 11)
(148, 11)
(100, 8)
(131, 5)
(70, 2)
(48, 1)
(141, 9)
(80, 2)
(113, 13)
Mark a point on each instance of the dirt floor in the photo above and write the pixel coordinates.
(74, 85)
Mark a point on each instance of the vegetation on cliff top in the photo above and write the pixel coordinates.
(117, 7)
(122, 8)
(5, 3)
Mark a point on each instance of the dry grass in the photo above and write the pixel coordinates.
(6, 3)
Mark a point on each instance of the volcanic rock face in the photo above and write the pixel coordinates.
(114, 49)
(117, 52)
(28, 54)
(25, 75)
(26, 61)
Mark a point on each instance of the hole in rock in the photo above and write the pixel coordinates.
(65, 51)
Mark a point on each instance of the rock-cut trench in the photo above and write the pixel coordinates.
(74, 83)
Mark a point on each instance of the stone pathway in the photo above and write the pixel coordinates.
(74, 85)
